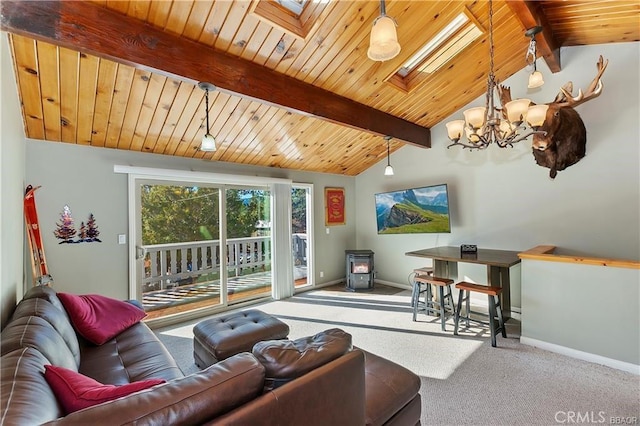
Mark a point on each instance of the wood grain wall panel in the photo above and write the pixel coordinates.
(335, 16)
(260, 117)
(122, 88)
(265, 124)
(148, 108)
(243, 35)
(69, 73)
(235, 137)
(49, 89)
(261, 151)
(216, 18)
(177, 18)
(219, 121)
(104, 93)
(87, 87)
(282, 51)
(269, 45)
(194, 106)
(120, 6)
(230, 26)
(139, 9)
(133, 108)
(197, 19)
(26, 65)
(175, 111)
(169, 91)
(159, 13)
(261, 44)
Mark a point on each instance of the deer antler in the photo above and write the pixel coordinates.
(594, 90)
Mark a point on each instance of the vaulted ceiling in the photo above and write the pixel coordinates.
(293, 91)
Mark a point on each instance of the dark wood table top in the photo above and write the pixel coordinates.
(501, 258)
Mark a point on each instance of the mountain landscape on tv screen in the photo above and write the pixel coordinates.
(418, 210)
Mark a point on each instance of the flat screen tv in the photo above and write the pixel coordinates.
(415, 210)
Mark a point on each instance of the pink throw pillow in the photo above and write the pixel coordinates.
(99, 318)
(75, 391)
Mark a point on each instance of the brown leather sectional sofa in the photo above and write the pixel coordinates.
(355, 389)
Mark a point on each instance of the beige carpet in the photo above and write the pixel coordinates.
(464, 379)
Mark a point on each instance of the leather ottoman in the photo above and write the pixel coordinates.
(219, 338)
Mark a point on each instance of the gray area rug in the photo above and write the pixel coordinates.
(464, 379)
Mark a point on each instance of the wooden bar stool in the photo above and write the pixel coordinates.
(429, 305)
(419, 288)
(495, 310)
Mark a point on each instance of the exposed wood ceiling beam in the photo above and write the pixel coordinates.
(89, 28)
(530, 14)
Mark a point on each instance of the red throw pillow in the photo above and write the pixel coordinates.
(75, 391)
(99, 318)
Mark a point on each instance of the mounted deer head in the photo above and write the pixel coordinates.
(562, 138)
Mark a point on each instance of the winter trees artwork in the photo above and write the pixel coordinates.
(65, 229)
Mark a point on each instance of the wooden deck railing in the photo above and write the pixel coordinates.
(171, 265)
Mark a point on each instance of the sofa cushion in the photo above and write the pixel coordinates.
(76, 391)
(99, 318)
(27, 399)
(190, 400)
(284, 360)
(133, 355)
(57, 317)
(37, 333)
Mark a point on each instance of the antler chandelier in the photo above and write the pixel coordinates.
(504, 126)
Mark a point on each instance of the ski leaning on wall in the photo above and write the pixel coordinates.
(40, 271)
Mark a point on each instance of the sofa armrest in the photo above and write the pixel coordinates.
(193, 399)
(332, 394)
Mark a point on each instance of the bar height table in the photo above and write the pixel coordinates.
(445, 264)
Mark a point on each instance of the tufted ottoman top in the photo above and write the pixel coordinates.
(227, 335)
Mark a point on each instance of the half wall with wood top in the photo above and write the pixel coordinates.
(587, 308)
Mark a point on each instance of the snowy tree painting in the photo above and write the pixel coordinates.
(65, 229)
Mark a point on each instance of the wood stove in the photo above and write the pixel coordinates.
(359, 272)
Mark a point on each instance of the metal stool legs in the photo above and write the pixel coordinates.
(495, 310)
(445, 300)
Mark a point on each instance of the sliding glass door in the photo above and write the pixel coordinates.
(201, 245)
(248, 238)
(302, 234)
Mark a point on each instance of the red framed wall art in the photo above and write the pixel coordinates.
(334, 206)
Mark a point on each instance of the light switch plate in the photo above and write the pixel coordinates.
(122, 238)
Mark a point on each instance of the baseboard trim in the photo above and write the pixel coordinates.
(392, 284)
(585, 356)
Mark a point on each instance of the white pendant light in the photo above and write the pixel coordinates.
(383, 43)
(208, 143)
(388, 171)
(535, 79)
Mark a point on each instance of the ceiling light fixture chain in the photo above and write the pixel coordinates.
(503, 126)
(388, 171)
(208, 143)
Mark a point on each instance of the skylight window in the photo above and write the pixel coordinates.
(297, 17)
(433, 44)
(294, 6)
(450, 41)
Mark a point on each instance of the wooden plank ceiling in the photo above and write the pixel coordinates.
(88, 96)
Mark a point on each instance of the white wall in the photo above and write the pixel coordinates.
(83, 178)
(499, 198)
(11, 186)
